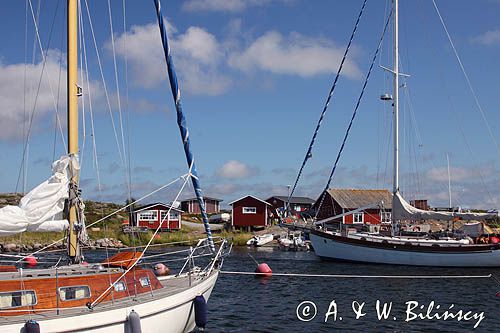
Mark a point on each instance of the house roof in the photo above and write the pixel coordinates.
(141, 208)
(293, 200)
(251, 196)
(356, 198)
(204, 197)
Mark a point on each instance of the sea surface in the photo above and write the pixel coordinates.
(242, 303)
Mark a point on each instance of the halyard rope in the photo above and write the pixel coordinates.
(325, 108)
(353, 115)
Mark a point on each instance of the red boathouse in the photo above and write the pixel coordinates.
(249, 211)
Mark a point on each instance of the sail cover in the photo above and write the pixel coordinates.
(41, 209)
(402, 210)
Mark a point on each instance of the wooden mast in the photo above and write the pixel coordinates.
(72, 17)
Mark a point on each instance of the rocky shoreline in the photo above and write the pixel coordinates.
(92, 244)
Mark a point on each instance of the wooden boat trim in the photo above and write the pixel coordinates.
(47, 289)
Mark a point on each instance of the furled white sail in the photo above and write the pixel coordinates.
(402, 210)
(41, 209)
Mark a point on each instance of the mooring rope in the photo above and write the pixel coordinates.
(355, 276)
(325, 108)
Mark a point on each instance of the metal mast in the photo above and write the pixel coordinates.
(396, 100)
(395, 72)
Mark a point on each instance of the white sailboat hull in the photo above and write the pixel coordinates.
(340, 248)
(171, 314)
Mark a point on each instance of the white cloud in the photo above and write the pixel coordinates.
(296, 54)
(235, 169)
(223, 5)
(202, 61)
(490, 37)
(459, 173)
(196, 53)
(13, 112)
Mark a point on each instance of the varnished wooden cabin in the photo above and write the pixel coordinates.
(40, 290)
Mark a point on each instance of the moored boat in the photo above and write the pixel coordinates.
(346, 245)
(122, 293)
(261, 240)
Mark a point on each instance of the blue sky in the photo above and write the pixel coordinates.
(254, 76)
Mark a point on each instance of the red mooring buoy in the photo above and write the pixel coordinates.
(497, 294)
(264, 270)
(30, 260)
(494, 240)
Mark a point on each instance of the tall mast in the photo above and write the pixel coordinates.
(395, 188)
(72, 17)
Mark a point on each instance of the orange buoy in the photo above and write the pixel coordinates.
(264, 270)
(30, 260)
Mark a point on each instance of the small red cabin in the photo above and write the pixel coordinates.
(152, 215)
(249, 211)
(368, 204)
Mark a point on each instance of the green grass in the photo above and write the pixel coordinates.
(30, 238)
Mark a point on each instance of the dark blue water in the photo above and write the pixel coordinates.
(248, 304)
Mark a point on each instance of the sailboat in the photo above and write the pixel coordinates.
(400, 250)
(122, 293)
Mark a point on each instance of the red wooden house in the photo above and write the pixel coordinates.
(249, 211)
(191, 205)
(341, 201)
(152, 215)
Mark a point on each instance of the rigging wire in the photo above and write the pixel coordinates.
(44, 62)
(474, 95)
(353, 115)
(97, 300)
(89, 94)
(459, 125)
(23, 165)
(120, 117)
(112, 213)
(56, 122)
(127, 110)
(104, 83)
(325, 108)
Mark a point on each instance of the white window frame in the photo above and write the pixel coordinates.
(120, 286)
(145, 282)
(386, 217)
(148, 215)
(354, 215)
(23, 293)
(249, 210)
(84, 287)
(163, 215)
